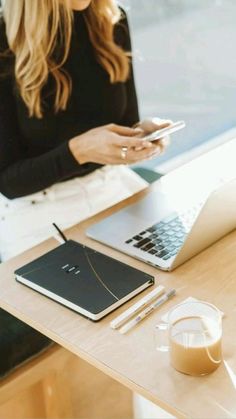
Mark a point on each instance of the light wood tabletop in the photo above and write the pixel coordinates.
(132, 359)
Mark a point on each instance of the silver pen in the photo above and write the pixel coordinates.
(134, 309)
(148, 311)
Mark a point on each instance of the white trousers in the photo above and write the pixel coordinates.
(25, 222)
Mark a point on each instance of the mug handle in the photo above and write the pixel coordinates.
(161, 337)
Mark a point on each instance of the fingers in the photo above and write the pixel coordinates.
(124, 131)
(133, 156)
(163, 143)
(137, 156)
(137, 149)
(130, 142)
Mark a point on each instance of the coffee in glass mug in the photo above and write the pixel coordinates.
(194, 337)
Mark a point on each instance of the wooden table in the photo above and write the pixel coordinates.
(132, 359)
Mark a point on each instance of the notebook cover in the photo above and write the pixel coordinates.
(83, 276)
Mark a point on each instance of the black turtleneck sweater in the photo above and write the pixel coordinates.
(34, 153)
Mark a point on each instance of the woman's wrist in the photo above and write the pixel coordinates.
(77, 151)
(137, 124)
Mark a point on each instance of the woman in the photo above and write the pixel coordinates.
(67, 108)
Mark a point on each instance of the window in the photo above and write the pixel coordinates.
(185, 65)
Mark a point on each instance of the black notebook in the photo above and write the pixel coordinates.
(83, 279)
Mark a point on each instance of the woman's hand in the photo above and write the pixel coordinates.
(150, 125)
(104, 144)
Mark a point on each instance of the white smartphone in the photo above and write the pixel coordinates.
(156, 135)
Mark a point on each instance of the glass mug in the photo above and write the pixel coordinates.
(194, 337)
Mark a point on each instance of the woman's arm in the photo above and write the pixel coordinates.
(19, 175)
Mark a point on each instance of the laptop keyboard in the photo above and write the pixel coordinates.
(165, 238)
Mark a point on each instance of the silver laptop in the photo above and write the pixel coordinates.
(153, 231)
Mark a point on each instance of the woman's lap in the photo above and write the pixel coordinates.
(25, 222)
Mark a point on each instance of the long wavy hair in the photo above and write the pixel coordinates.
(35, 29)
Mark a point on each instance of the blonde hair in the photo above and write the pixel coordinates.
(36, 28)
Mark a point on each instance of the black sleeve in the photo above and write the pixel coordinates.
(122, 36)
(19, 175)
